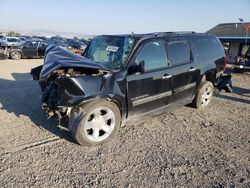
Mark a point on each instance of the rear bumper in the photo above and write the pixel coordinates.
(243, 67)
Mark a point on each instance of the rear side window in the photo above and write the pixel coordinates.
(153, 54)
(178, 52)
(43, 45)
(208, 47)
(31, 44)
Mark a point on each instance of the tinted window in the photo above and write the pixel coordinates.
(208, 47)
(2, 37)
(153, 54)
(12, 40)
(178, 52)
(43, 45)
(31, 44)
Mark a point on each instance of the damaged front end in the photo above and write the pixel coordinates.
(67, 80)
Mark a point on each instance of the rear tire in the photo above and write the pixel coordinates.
(203, 95)
(15, 55)
(98, 125)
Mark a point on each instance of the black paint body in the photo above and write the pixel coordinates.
(134, 92)
(37, 49)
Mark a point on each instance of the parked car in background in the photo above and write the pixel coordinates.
(2, 38)
(76, 44)
(22, 38)
(4, 50)
(58, 42)
(242, 64)
(125, 77)
(85, 41)
(30, 48)
(13, 41)
(26, 36)
(3, 41)
(44, 38)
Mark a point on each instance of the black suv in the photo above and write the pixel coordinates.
(123, 77)
(30, 48)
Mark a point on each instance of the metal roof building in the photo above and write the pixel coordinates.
(235, 38)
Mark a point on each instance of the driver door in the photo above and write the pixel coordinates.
(152, 88)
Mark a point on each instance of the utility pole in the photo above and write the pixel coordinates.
(246, 27)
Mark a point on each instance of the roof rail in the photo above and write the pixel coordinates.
(160, 33)
(173, 33)
(185, 32)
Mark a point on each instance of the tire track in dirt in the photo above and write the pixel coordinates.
(33, 145)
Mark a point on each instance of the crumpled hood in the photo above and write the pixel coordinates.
(57, 57)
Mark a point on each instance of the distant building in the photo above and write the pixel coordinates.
(3, 33)
(235, 38)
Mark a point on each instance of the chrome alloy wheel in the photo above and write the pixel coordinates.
(99, 124)
(16, 55)
(206, 96)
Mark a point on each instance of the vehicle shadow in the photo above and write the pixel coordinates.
(21, 96)
(236, 99)
(241, 91)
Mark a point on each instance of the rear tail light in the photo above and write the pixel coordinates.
(225, 63)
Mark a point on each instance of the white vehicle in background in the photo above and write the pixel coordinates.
(13, 41)
(4, 51)
(3, 41)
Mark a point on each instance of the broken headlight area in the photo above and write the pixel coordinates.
(59, 95)
(62, 90)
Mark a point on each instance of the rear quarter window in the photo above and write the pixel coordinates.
(208, 47)
(178, 52)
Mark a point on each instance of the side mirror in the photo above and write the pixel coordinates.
(142, 66)
(134, 68)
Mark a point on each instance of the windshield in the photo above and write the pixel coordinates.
(110, 51)
(13, 40)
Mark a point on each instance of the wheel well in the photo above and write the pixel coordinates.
(113, 100)
(119, 105)
(209, 76)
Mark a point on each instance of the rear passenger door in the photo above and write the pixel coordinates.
(30, 49)
(183, 70)
(42, 48)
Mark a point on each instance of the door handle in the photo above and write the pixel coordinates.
(166, 77)
(191, 69)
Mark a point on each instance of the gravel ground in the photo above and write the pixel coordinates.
(184, 148)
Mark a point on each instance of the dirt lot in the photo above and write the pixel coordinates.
(184, 148)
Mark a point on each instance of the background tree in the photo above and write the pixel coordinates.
(13, 34)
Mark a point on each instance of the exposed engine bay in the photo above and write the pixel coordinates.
(66, 80)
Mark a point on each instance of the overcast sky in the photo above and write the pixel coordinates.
(117, 16)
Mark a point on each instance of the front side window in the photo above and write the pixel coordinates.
(110, 51)
(178, 52)
(153, 54)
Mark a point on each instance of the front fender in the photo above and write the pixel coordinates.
(75, 91)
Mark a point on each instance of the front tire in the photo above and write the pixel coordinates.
(4, 53)
(15, 55)
(204, 95)
(98, 125)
